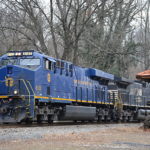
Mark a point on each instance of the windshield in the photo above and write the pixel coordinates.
(5, 62)
(30, 63)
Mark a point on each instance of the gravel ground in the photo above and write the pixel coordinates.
(75, 137)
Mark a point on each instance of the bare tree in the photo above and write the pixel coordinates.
(93, 33)
(26, 20)
(73, 16)
(146, 49)
(109, 38)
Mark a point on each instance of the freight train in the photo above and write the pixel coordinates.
(36, 87)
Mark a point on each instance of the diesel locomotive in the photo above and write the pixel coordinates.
(36, 87)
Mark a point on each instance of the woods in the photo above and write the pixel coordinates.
(112, 35)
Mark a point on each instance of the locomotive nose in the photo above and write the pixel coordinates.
(13, 80)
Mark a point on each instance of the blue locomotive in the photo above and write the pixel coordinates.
(36, 87)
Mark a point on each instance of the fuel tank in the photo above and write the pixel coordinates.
(142, 114)
(78, 113)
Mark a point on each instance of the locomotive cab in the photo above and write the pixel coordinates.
(17, 84)
(23, 59)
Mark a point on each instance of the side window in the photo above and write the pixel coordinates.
(54, 67)
(67, 69)
(48, 65)
(58, 64)
(62, 67)
(71, 70)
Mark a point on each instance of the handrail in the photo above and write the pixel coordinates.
(31, 87)
(27, 89)
(139, 100)
(32, 90)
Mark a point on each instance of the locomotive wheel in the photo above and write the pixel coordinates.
(28, 121)
(130, 118)
(106, 120)
(124, 119)
(50, 120)
(19, 122)
(5, 123)
(147, 123)
(39, 119)
(91, 121)
(99, 119)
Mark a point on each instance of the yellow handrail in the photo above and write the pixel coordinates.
(26, 88)
(32, 91)
(31, 87)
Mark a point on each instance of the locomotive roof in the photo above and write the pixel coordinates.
(122, 80)
(34, 53)
(91, 72)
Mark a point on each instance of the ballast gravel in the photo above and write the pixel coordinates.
(75, 137)
(36, 132)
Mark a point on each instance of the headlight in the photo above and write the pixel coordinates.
(16, 92)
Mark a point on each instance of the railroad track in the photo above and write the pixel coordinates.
(24, 125)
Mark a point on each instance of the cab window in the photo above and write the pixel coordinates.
(30, 63)
(7, 61)
(58, 64)
(48, 65)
